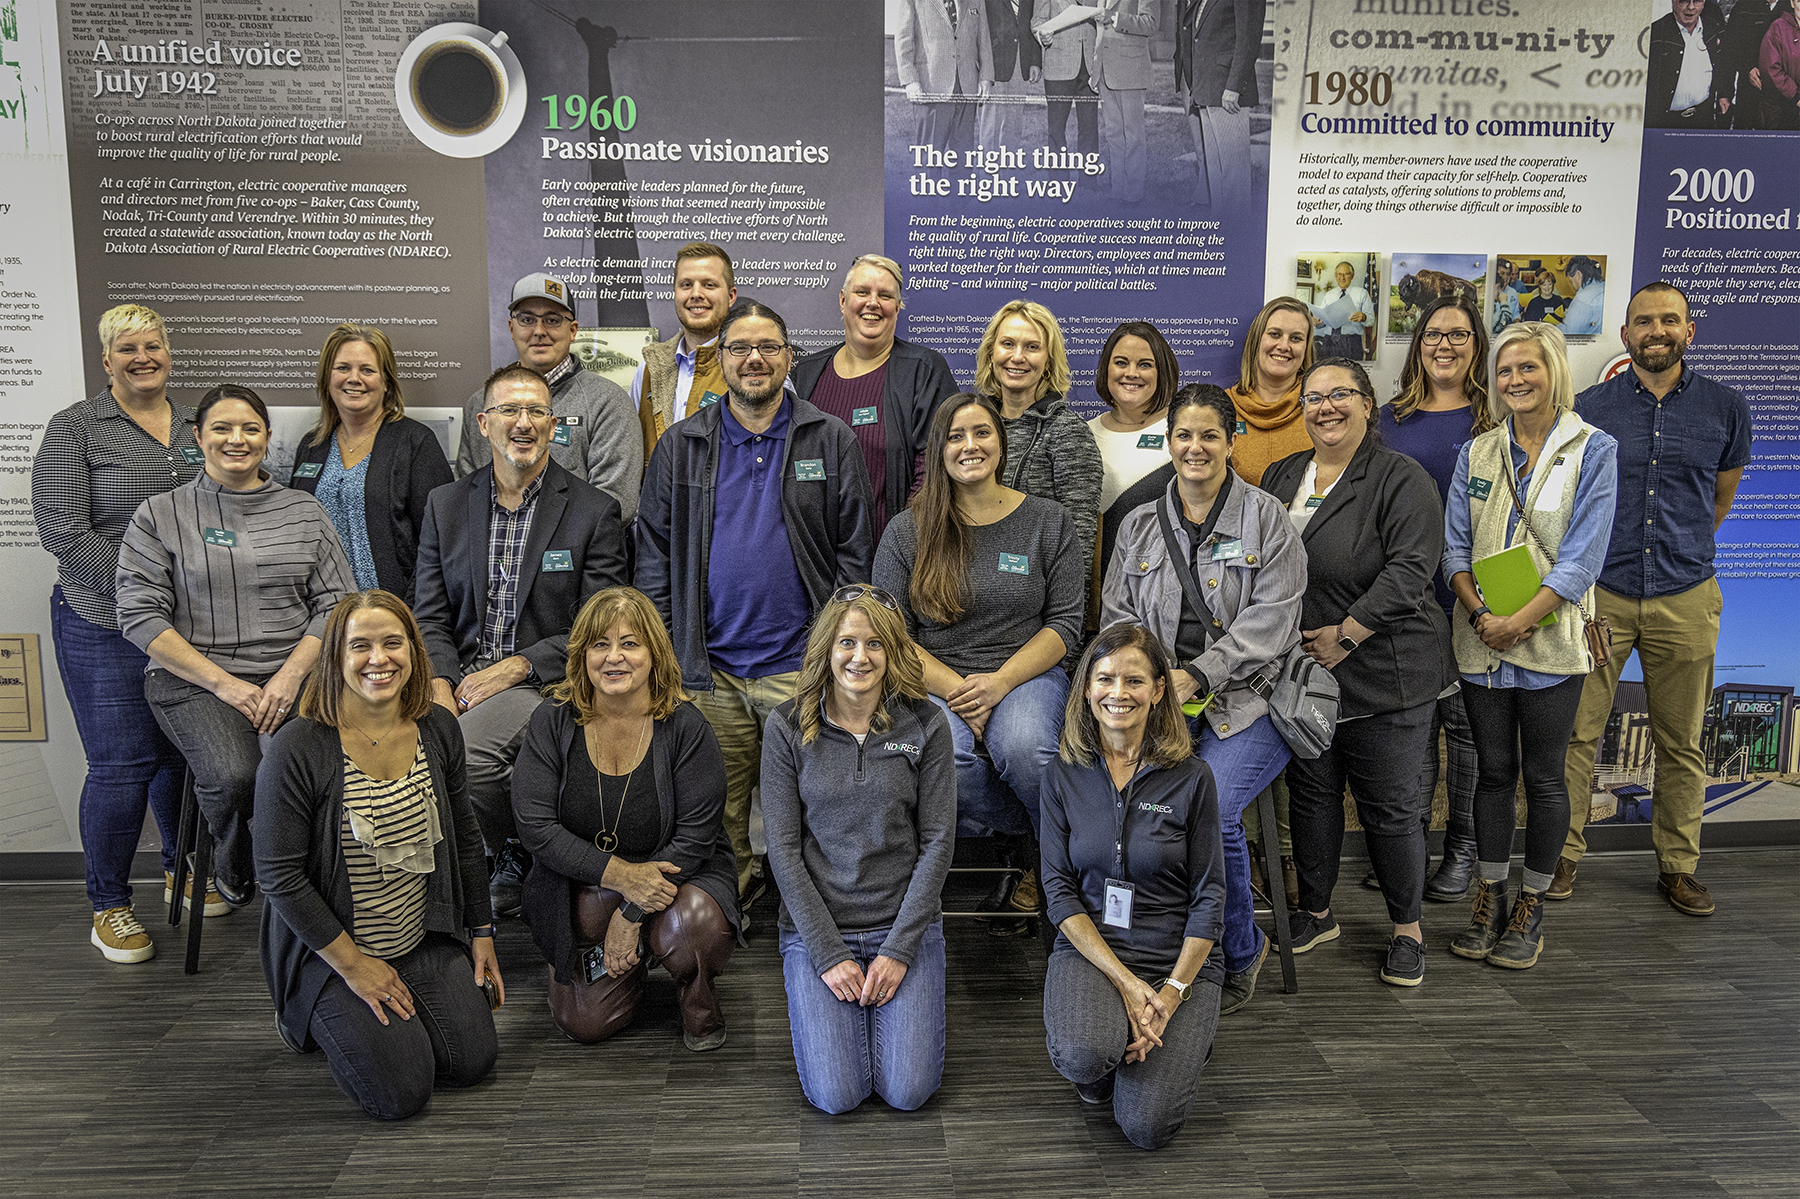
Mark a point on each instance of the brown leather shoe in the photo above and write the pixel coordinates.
(1562, 883)
(1290, 881)
(1685, 893)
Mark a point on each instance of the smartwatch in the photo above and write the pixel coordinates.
(1344, 643)
(1477, 614)
(1183, 991)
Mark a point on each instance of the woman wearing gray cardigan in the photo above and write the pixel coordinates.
(859, 807)
(225, 583)
(1247, 567)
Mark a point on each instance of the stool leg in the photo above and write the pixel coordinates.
(1265, 813)
(184, 844)
(203, 847)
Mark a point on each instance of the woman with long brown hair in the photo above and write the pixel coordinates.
(1278, 351)
(1442, 405)
(992, 583)
(619, 794)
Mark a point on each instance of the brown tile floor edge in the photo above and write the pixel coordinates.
(1648, 1053)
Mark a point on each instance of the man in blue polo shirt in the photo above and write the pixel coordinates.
(1684, 441)
(754, 511)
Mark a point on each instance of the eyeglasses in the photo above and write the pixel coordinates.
(1313, 399)
(768, 349)
(1456, 337)
(854, 592)
(550, 321)
(536, 412)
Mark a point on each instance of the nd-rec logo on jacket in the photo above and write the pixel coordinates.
(904, 747)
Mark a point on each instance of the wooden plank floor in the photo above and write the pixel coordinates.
(1649, 1053)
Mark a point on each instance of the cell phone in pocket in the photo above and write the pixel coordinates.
(593, 965)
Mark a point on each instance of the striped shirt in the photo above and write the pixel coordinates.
(508, 530)
(383, 817)
(241, 576)
(93, 470)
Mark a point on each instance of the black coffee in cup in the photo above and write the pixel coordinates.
(457, 88)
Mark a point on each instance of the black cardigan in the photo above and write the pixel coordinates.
(690, 794)
(918, 379)
(405, 463)
(1371, 550)
(300, 861)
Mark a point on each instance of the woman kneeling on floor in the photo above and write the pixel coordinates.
(859, 805)
(1134, 876)
(377, 937)
(619, 794)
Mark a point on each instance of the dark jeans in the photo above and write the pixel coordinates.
(1518, 730)
(130, 762)
(1379, 757)
(1060, 95)
(223, 750)
(1449, 715)
(1087, 1034)
(389, 1068)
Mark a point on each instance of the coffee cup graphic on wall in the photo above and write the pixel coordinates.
(460, 89)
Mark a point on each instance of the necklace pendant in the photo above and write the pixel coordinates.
(606, 843)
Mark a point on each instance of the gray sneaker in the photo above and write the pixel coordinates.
(1240, 986)
(1308, 930)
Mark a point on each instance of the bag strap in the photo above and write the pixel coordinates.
(1184, 570)
(1512, 488)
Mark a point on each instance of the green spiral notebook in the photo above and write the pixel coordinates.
(1508, 580)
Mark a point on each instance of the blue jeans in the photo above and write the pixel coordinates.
(129, 760)
(389, 1068)
(1242, 765)
(845, 1052)
(1021, 736)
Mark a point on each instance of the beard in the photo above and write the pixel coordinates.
(1659, 357)
(757, 394)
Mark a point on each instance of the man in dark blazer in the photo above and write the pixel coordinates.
(1689, 87)
(1216, 44)
(507, 557)
(1018, 61)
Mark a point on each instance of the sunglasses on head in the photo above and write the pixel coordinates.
(854, 592)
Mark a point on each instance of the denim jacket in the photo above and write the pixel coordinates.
(1253, 595)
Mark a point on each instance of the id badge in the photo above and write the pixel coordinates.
(560, 436)
(1118, 903)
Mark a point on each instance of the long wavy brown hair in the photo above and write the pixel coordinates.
(1415, 387)
(604, 611)
(393, 404)
(945, 543)
(1259, 324)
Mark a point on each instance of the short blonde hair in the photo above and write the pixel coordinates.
(885, 263)
(1551, 349)
(616, 606)
(129, 318)
(393, 404)
(1056, 371)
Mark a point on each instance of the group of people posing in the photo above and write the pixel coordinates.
(892, 611)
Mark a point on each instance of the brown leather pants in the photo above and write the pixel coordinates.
(692, 939)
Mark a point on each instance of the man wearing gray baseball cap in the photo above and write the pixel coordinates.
(597, 435)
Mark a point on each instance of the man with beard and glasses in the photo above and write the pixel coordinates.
(507, 556)
(682, 375)
(595, 438)
(755, 510)
(1684, 440)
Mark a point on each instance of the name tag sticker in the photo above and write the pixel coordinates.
(307, 470)
(1479, 488)
(1015, 564)
(558, 560)
(1150, 441)
(221, 537)
(192, 456)
(1559, 460)
(1227, 549)
(1241, 429)
(863, 416)
(1118, 903)
(561, 436)
(1313, 501)
(710, 397)
(809, 470)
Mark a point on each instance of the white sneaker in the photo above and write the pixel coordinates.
(119, 936)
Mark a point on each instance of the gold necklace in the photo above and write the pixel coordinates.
(607, 840)
(372, 741)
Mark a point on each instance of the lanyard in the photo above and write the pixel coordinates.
(1122, 808)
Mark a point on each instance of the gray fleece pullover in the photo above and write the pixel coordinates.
(1050, 452)
(860, 837)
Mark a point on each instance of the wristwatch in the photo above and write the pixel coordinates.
(1477, 614)
(1183, 991)
(1344, 643)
